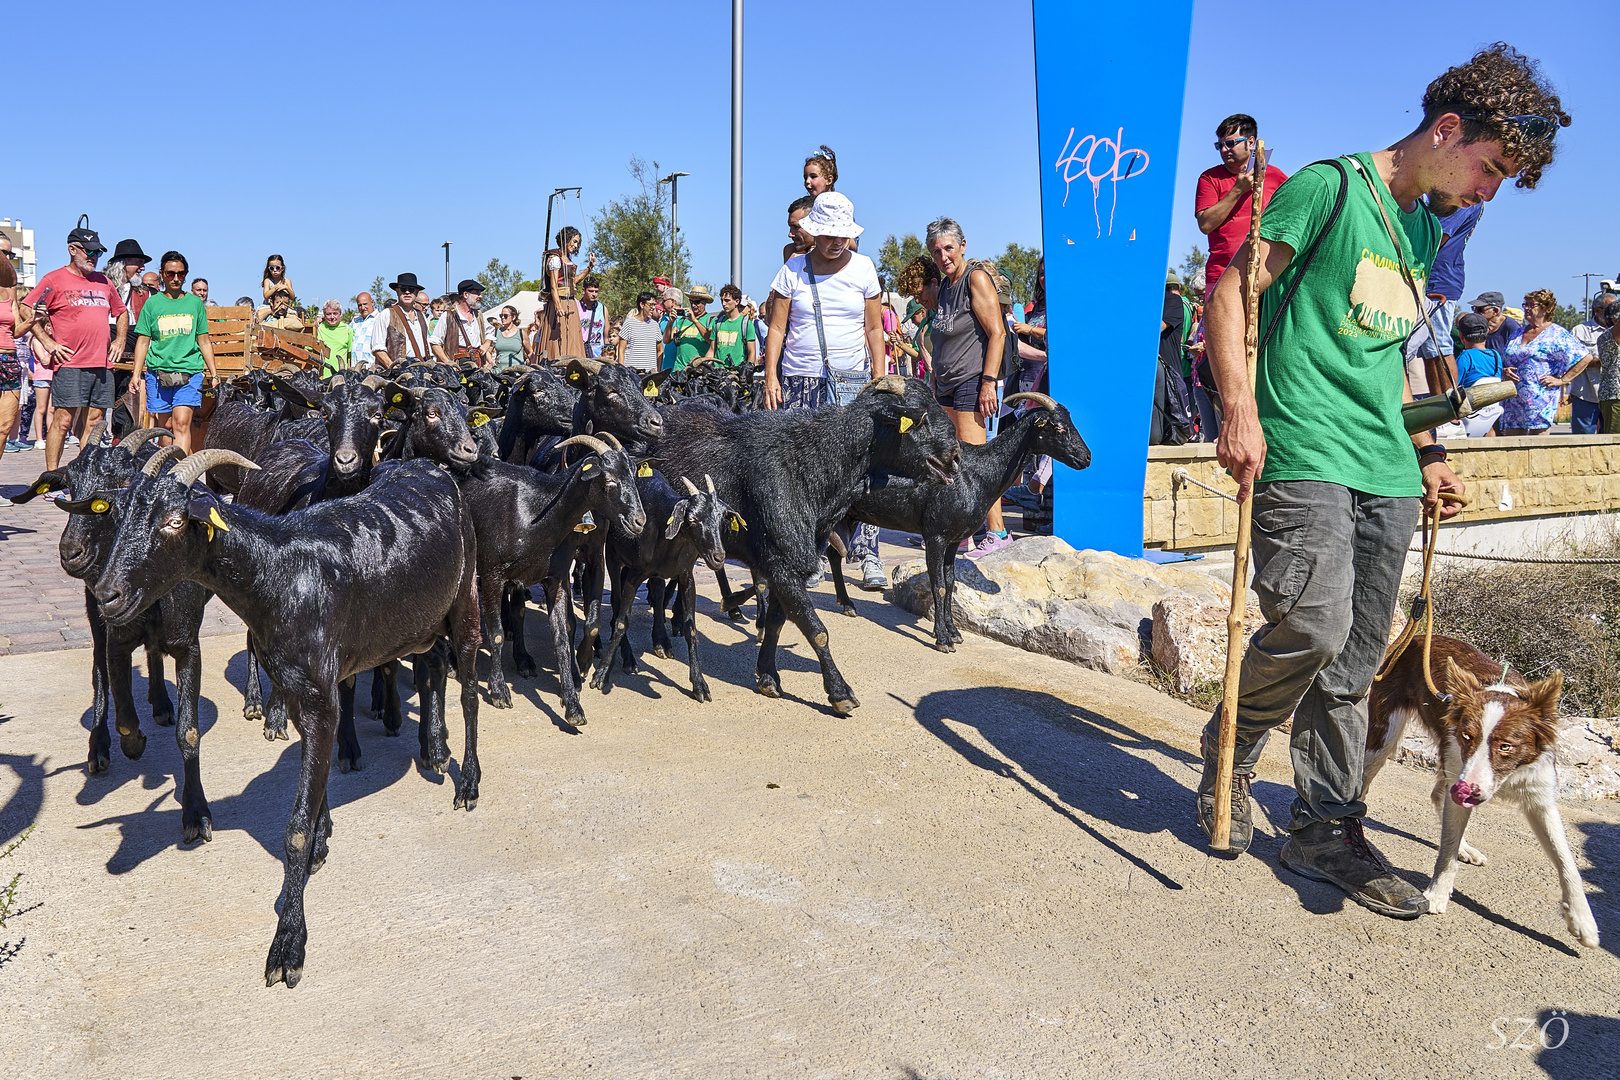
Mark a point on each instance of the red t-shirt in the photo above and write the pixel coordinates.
(1213, 184)
(79, 308)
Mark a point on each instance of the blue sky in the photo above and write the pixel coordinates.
(354, 139)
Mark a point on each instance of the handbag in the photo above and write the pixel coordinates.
(172, 380)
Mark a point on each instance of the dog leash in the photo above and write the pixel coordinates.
(1422, 605)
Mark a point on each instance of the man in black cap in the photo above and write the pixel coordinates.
(1491, 305)
(460, 334)
(86, 324)
(405, 331)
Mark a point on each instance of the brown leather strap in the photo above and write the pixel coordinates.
(405, 326)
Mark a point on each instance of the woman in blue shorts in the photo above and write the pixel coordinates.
(171, 351)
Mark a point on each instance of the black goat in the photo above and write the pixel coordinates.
(310, 586)
(663, 556)
(611, 399)
(538, 407)
(944, 517)
(169, 625)
(791, 476)
(241, 426)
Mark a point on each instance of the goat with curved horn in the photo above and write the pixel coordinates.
(155, 463)
(708, 482)
(194, 466)
(1029, 395)
(611, 439)
(691, 488)
(93, 436)
(374, 382)
(591, 441)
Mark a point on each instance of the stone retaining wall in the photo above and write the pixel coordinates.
(1510, 480)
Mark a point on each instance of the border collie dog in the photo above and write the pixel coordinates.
(1497, 738)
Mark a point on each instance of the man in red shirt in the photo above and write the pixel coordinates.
(1225, 194)
(80, 343)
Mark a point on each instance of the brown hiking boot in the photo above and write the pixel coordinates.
(1242, 808)
(1337, 852)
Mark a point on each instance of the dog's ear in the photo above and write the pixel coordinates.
(1543, 696)
(1460, 682)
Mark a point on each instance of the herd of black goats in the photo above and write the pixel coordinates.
(357, 522)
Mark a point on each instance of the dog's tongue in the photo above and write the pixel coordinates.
(1462, 793)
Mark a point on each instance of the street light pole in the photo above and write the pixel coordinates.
(736, 140)
(447, 268)
(673, 180)
(1588, 277)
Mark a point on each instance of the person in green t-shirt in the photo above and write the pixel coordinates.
(337, 336)
(690, 331)
(171, 351)
(734, 337)
(1338, 483)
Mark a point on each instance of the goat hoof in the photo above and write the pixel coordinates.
(945, 646)
(845, 706)
(286, 960)
(253, 712)
(575, 719)
(164, 717)
(661, 651)
(847, 609)
(466, 794)
(133, 745)
(526, 669)
(100, 752)
(200, 830)
(348, 764)
(734, 614)
(768, 686)
(500, 700)
(700, 691)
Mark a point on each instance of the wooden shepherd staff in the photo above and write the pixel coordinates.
(1221, 837)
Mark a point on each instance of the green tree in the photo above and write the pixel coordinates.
(894, 254)
(499, 281)
(1020, 265)
(632, 241)
(1568, 316)
(1195, 258)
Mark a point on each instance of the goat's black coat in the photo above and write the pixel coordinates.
(791, 476)
(945, 516)
(309, 586)
(242, 425)
(169, 625)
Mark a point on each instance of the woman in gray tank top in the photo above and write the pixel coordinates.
(968, 334)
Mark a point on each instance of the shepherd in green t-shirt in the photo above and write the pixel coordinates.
(691, 331)
(171, 351)
(1338, 483)
(734, 339)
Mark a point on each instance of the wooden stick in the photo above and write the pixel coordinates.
(1221, 836)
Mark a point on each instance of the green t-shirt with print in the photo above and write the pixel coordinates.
(730, 338)
(173, 326)
(1329, 384)
(689, 340)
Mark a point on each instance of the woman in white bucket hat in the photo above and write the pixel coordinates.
(826, 339)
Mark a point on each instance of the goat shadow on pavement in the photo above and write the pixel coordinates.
(1587, 1046)
(1096, 767)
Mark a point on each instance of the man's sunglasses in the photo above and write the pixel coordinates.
(1227, 144)
(1534, 127)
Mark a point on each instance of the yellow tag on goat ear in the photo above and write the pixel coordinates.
(670, 522)
(906, 424)
(737, 522)
(573, 376)
(479, 420)
(213, 515)
(398, 398)
(99, 506)
(43, 489)
(585, 467)
(210, 529)
(649, 391)
(645, 470)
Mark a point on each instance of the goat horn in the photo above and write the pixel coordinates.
(708, 482)
(93, 436)
(691, 488)
(589, 365)
(894, 384)
(608, 437)
(1040, 399)
(584, 440)
(155, 463)
(373, 382)
(337, 381)
(137, 439)
(194, 466)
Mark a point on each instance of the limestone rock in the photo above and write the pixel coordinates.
(1189, 639)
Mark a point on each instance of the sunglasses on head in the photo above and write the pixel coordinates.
(1227, 144)
(1534, 127)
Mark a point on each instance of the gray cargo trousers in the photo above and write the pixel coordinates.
(1327, 568)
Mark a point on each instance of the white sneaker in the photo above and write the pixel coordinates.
(71, 440)
(39, 444)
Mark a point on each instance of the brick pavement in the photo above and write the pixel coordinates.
(41, 608)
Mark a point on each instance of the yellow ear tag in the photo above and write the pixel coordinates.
(100, 506)
(398, 398)
(737, 522)
(585, 467)
(479, 419)
(210, 529)
(43, 489)
(906, 424)
(573, 376)
(649, 391)
(670, 522)
(213, 515)
(645, 470)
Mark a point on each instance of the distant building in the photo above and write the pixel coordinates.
(22, 250)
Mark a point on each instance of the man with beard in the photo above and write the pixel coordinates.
(1319, 439)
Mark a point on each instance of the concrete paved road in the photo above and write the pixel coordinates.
(990, 870)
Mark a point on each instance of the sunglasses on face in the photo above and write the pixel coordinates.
(278, 268)
(1227, 144)
(181, 274)
(1534, 127)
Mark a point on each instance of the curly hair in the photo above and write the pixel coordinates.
(915, 276)
(1498, 83)
(1543, 299)
(827, 162)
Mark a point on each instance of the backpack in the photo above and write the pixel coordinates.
(1172, 423)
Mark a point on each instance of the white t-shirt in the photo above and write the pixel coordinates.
(843, 315)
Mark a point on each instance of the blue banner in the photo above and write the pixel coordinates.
(1109, 84)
